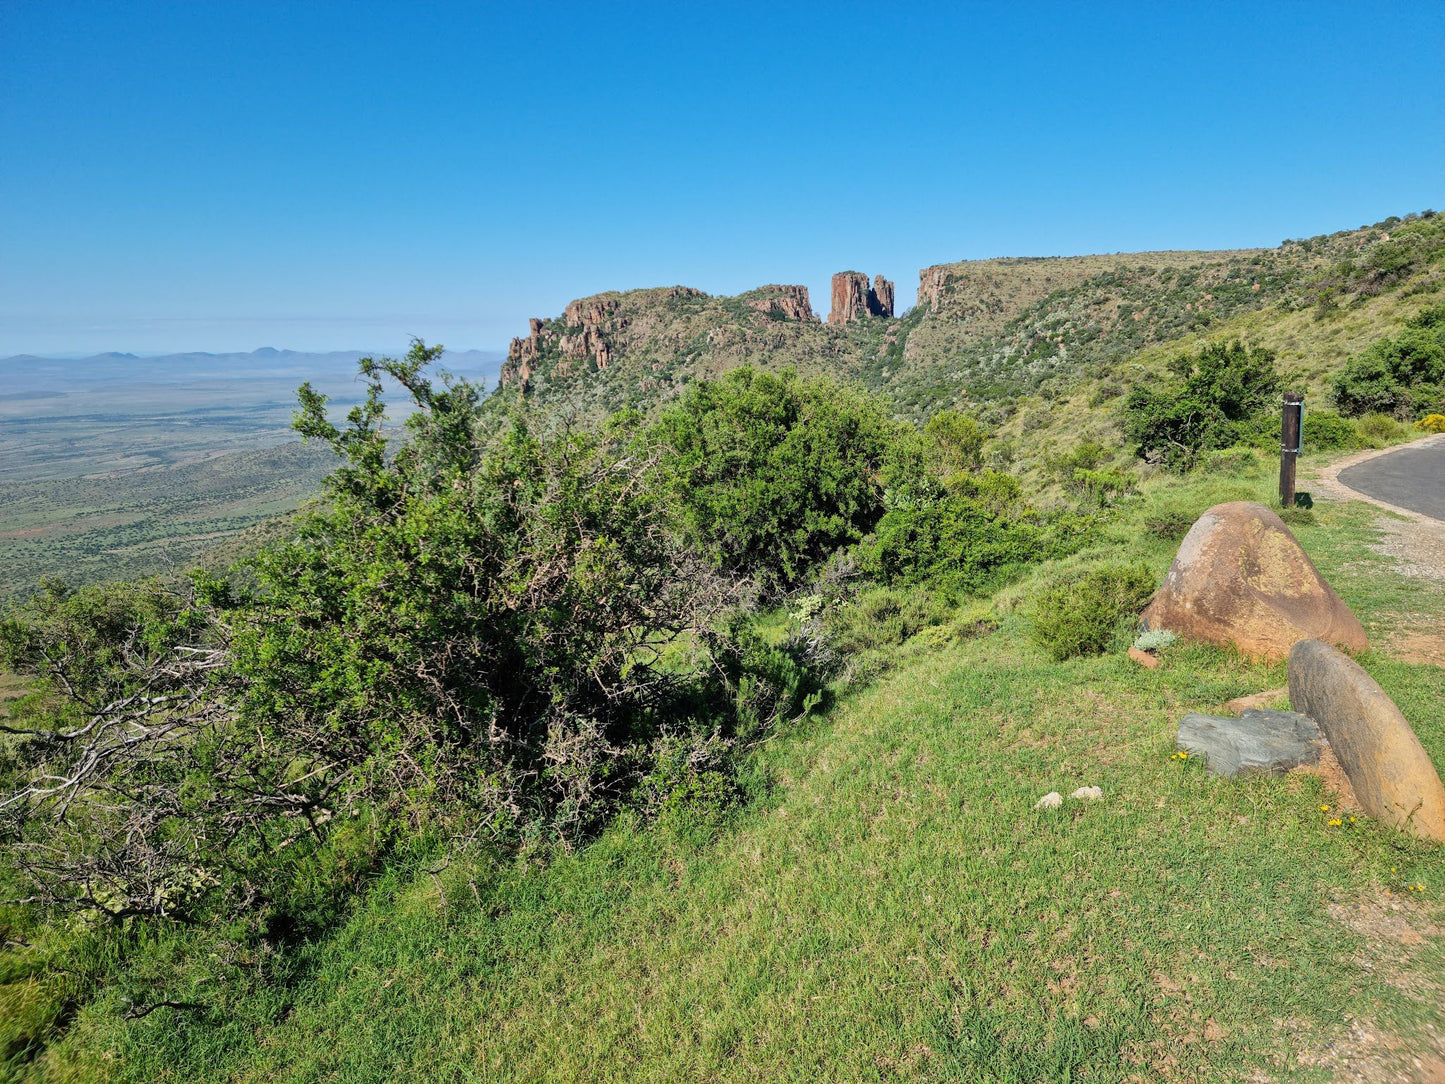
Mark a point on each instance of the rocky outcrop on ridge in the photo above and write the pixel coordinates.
(782, 302)
(588, 331)
(852, 298)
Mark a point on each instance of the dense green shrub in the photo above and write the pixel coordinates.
(954, 541)
(954, 443)
(1084, 615)
(476, 625)
(1403, 377)
(883, 617)
(1168, 525)
(1211, 403)
(1325, 430)
(772, 472)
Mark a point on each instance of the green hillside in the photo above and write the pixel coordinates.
(678, 711)
(989, 333)
(889, 907)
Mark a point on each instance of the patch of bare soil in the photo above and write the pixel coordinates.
(1418, 646)
(1332, 774)
(1367, 1055)
(1392, 929)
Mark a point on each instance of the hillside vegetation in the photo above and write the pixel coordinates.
(678, 711)
(990, 333)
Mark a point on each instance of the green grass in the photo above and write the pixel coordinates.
(892, 908)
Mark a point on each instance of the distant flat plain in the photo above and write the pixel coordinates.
(115, 466)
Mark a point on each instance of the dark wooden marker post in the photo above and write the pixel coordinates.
(1289, 444)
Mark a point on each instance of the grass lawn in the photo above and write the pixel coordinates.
(894, 909)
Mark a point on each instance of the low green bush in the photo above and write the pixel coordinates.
(1167, 525)
(1085, 615)
(955, 542)
(1325, 430)
(1235, 460)
(1402, 376)
(1377, 430)
(884, 617)
(1212, 402)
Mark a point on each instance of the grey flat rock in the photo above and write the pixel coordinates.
(1260, 740)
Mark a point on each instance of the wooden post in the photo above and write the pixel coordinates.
(1289, 444)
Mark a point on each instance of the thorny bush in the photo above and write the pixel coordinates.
(481, 626)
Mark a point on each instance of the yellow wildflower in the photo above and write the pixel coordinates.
(1335, 822)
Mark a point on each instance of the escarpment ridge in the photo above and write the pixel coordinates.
(981, 331)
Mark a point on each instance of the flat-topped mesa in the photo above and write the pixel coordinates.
(852, 297)
(782, 302)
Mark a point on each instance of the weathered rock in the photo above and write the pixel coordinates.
(848, 297)
(1392, 776)
(522, 357)
(852, 298)
(785, 302)
(880, 298)
(1092, 794)
(1256, 700)
(1241, 580)
(1144, 659)
(930, 287)
(1257, 741)
(1052, 800)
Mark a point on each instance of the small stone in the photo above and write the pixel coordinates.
(1052, 800)
(1242, 704)
(1258, 741)
(1093, 794)
(1144, 659)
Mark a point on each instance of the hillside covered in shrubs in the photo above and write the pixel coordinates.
(507, 630)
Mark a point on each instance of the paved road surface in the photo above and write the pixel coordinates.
(1413, 478)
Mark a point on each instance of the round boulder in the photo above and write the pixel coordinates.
(1241, 580)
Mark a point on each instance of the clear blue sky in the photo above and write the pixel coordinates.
(227, 175)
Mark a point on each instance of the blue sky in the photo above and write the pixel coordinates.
(221, 176)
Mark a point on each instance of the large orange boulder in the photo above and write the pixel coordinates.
(1241, 580)
(1390, 771)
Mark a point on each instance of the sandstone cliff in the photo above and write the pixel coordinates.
(781, 302)
(852, 297)
(985, 333)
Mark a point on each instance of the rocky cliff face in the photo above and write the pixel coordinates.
(880, 302)
(852, 297)
(930, 286)
(782, 302)
(589, 331)
(983, 330)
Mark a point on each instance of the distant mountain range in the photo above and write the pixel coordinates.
(265, 363)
